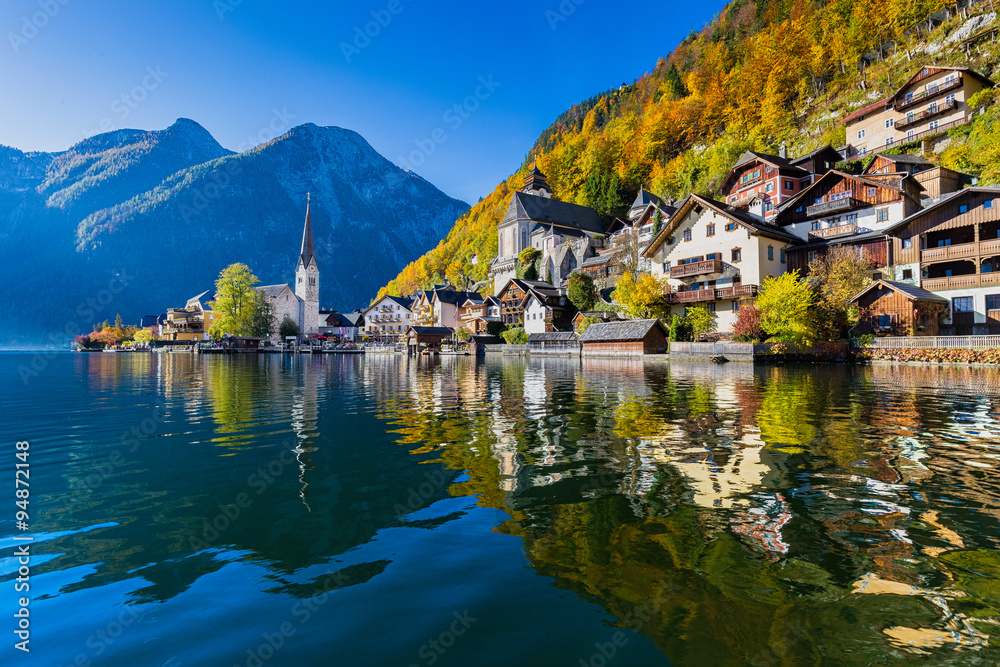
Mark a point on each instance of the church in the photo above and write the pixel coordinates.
(301, 304)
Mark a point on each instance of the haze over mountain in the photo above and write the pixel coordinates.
(165, 211)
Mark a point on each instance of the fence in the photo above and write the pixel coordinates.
(729, 350)
(924, 342)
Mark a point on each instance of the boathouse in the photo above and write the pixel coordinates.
(629, 338)
(554, 342)
(897, 309)
(419, 338)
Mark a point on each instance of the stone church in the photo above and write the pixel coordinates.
(302, 303)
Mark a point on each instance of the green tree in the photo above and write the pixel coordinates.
(581, 291)
(702, 320)
(245, 311)
(463, 334)
(657, 223)
(786, 309)
(527, 263)
(288, 327)
(515, 336)
(680, 329)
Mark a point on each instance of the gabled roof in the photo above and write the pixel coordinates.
(754, 224)
(527, 206)
(526, 285)
(934, 70)
(941, 201)
(202, 299)
(834, 174)
(552, 336)
(352, 318)
(910, 291)
(492, 301)
(431, 331)
(828, 149)
(864, 111)
(453, 297)
(644, 199)
(272, 291)
(625, 330)
(902, 158)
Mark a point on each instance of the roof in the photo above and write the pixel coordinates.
(307, 254)
(864, 111)
(455, 298)
(940, 201)
(403, 301)
(808, 156)
(911, 291)
(751, 222)
(623, 330)
(272, 291)
(527, 206)
(823, 243)
(803, 195)
(904, 158)
(526, 285)
(431, 331)
(493, 301)
(552, 337)
(986, 81)
(485, 340)
(352, 318)
(202, 299)
(644, 199)
(597, 260)
(775, 160)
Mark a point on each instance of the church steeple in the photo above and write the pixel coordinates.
(535, 182)
(308, 254)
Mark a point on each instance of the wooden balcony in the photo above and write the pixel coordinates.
(961, 251)
(835, 206)
(704, 268)
(849, 229)
(937, 109)
(731, 293)
(970, 281)
(933, 91)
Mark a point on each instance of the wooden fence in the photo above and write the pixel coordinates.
(925, 342)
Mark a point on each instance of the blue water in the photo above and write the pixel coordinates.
(200, 510)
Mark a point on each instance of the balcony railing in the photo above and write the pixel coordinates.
(932, 91)
(704, 268)
(714, 294)
(848, 229)
(961, 251)
(970, 281)
(935, 110)
(835, 206)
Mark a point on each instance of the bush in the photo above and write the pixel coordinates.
(702, 320)
(581, 291)
(747, 327)
(515, 336)
(935, 355)
(463, 334)
(680, 329)
(495, 329)
(288, 327)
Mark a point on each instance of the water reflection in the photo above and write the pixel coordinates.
(730, 515)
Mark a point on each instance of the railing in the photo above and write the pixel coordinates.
(960, 342)
(848, 229)
(935, 110)
(962, 250)
(932, 91)
(971, 280)
(937, 130)
(697, 268)
(714, 294)
(835, 206)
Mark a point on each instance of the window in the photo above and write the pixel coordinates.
(817, 225)
(907, 244)
(710, 230)
(881, 214)
(737, 255)
(909, 135)
(711, 308)
(714, 255)
(811, 256)
(963, 304)
(756, 173)
(731, 227)
(884, 321)
(768, 206)
(993, 302)
(852, 218)
(769, 187)
(933, 125)
(949, 98)
(964, 208)
(861, 134)
(789, 185)
(736, 306)
(770, 253)
(782, 255)
(988, 203)
(888, 124)
(798, 210)
(670, 240)
(943, 243)
(907, 274)
(732, 200)
(687, 234)
(871, 192)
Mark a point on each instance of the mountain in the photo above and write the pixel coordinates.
(761, 74)
(164, 212)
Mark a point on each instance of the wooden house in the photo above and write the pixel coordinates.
(513, 298)
(769, 180)
(896, 309)
(952, 248)
(628, 338)
(420, 338)
(556, 342)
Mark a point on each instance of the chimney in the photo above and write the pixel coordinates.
(783, 152)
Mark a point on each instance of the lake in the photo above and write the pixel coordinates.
(379, 510)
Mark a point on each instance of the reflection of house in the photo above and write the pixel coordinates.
(629, 337)
(190, 323)
(932, 101)
(952, 248)
(388, 318)
(717, 255)
(898, 309)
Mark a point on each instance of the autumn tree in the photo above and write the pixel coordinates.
(640, 298)
(786, 309)
(527, 263)
(838, 276)
(626, 254)
(702, 320)
(747, 327)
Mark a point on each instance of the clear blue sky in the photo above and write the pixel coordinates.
(229, 64)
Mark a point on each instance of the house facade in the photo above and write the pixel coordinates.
(952, 249)
(717, 256)
(624, 338)
(897, 309)
(388, 319)
(476, 314)
(760, 183)
(931, 101)
(513, 298)
(546, 310)
(190, 323)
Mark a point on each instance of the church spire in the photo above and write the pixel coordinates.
(308, 254)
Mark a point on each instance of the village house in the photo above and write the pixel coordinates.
(546, 310)
(933, 100)
(952, 248)
(476, 314)
(624, 338)
(760, 183)
(555, 342)
(897, 309)
(513, 299)
(420, 338)
(564, 233)
(301, 305)
(388, 319)
(440, 306)
(717, 255)
(192, 322)
(344, 327)
(841, 209)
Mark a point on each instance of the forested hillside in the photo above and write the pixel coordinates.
(761, 74)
